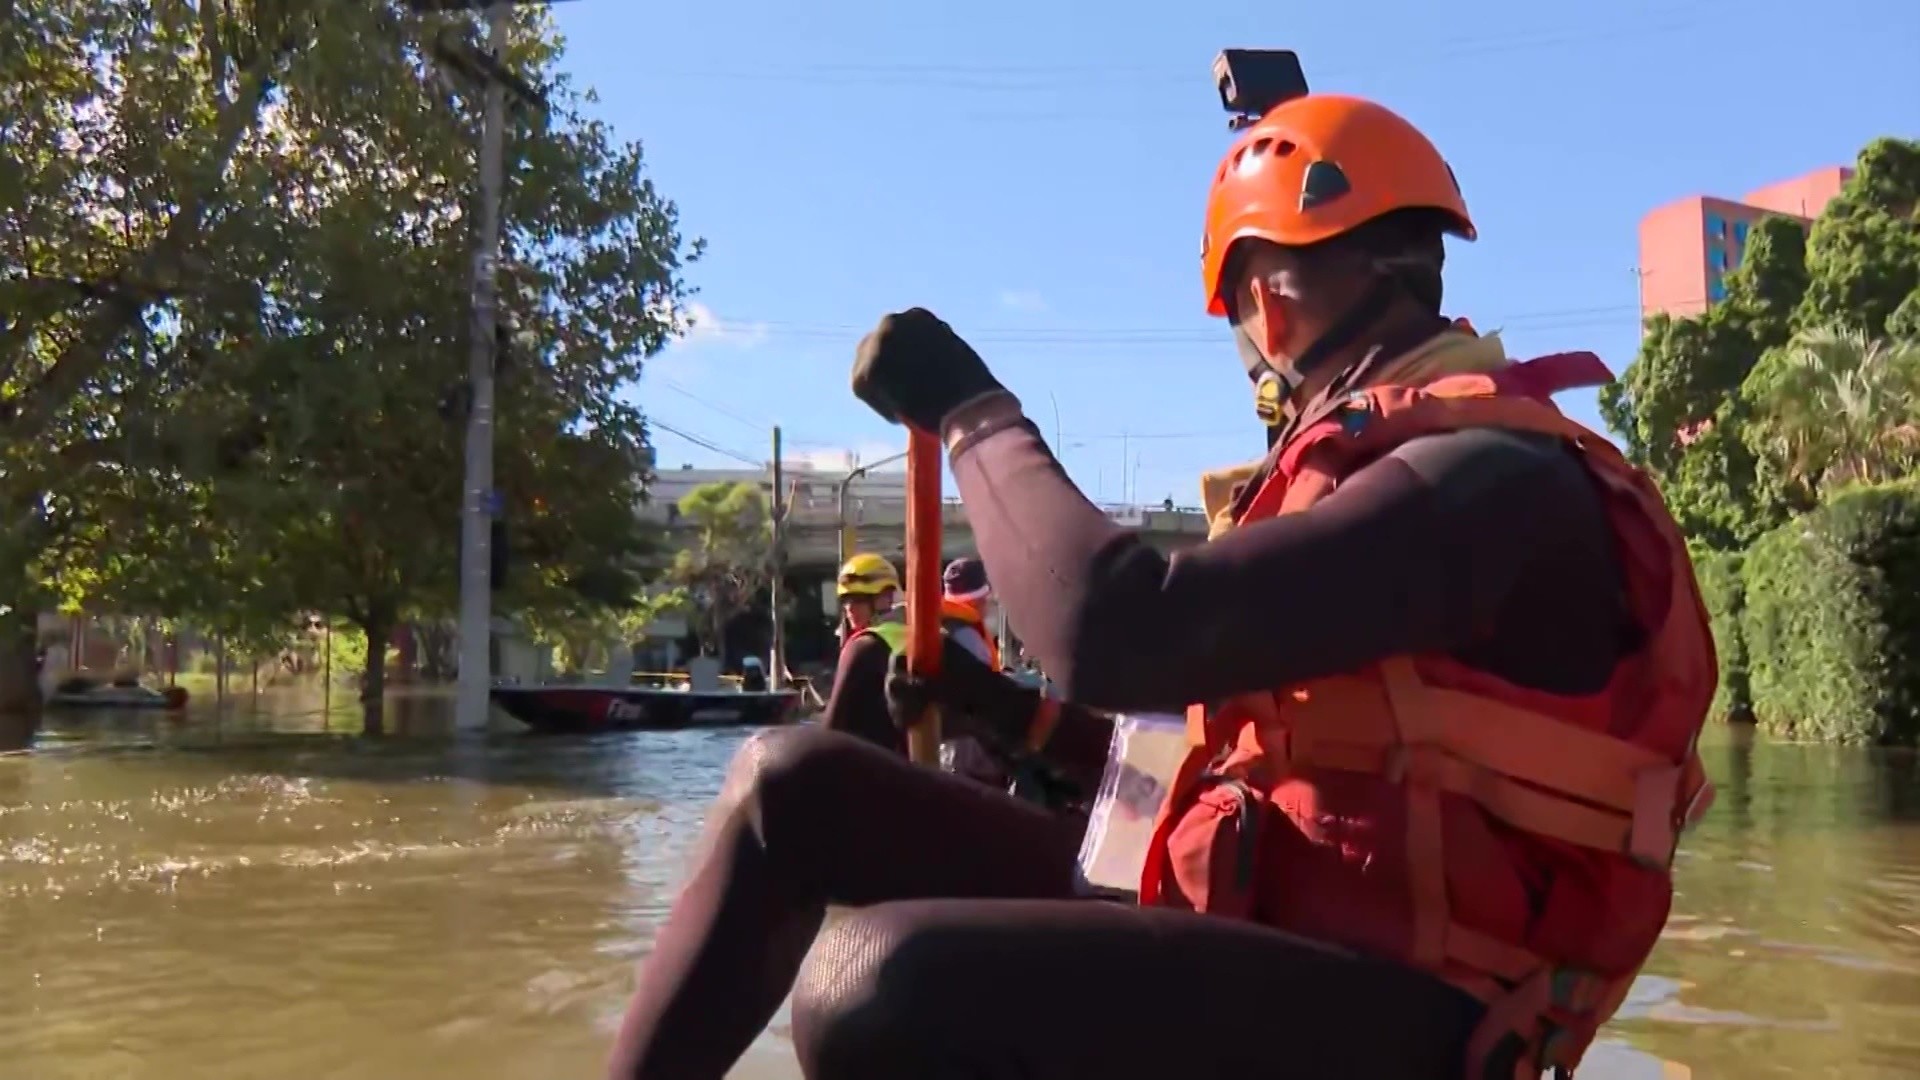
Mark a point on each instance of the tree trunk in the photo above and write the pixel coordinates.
(717, 633)
(373, 680)
(19, 680)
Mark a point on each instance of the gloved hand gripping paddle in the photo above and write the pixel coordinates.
(923, 584)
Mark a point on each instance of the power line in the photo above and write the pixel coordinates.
(757, 424)
(1549, 319)
(703, 442)
(1029, 78)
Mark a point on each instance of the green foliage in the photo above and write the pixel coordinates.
(730, 557)
(1863, 258)
(1724, 590)
(1835, 407)
(1830, 623)
(1678, 404)
(580, 638)
(1764, 420)
(1722, 408)
(235, 246)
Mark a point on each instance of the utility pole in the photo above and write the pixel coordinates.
(479, 501)
(777, 662)
(840, 499)
(1125, 494)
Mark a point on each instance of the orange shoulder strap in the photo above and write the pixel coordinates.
(1372, 422)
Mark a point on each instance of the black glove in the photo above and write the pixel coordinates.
(984, 702)
(914, 369)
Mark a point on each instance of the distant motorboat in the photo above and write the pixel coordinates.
(580, 709)
(80, 692)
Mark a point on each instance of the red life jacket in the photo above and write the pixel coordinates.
(1515, 843)
(969, 615)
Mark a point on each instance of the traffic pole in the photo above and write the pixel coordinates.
(478, 503)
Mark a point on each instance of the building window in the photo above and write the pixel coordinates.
(1740, 233)
(1716, 227)
(1720, 260)
(1717, 290)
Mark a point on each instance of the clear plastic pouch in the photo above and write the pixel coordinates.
(1141, 762)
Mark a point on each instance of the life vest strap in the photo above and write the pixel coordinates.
(1644, 821)
(1645, 837)
(1537, 1015)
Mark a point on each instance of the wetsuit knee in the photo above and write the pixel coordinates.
(796, 792)
(777, 765)
(878, 997)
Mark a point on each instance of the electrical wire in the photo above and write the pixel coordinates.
(1549, 319)
(1003, 78)
(703, 442)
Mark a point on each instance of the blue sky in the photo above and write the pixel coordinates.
(1035, 173)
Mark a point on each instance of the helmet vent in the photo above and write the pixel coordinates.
(1323, 183)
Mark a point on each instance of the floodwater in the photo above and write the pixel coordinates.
(228, 899)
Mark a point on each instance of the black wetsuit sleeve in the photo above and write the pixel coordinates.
(858, 705)
(1005, 712)
(1430, 549)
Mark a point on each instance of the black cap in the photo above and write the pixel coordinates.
(965, 579)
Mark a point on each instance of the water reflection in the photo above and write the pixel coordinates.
(1792, 950)
(252, 896)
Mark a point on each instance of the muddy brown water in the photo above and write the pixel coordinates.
(240, 897)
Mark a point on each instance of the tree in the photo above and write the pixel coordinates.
(143, 196)
(1678, 405)
(1863, 257)
(357, 402)
(236, 249)
(1693, 408)
(730, 558)
(582, 637)
(1836, 407)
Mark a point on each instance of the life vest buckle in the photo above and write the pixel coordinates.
(1572, 990)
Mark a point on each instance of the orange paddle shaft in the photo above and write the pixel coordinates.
(923, 583)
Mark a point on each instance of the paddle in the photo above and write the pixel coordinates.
(923, 584)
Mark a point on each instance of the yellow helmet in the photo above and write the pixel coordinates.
(866, 574)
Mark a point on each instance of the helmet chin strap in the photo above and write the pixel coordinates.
(1276, 387)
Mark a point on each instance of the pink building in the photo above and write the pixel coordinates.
(1687, 247)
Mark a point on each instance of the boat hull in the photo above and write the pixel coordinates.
(115, 699)
(585, 709)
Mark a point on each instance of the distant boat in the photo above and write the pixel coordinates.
(565, 709)
(83, 693)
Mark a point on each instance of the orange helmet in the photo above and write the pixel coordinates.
(1318, 166)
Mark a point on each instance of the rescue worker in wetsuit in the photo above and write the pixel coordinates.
(1000, 754)
(873, 633)
(963, 619)
(964, 595)
(1451, 553)
(868, 588)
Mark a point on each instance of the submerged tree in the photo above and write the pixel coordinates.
(730, 557)
(235, 242)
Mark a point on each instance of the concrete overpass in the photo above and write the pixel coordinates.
(876, 513)
(876, 521)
